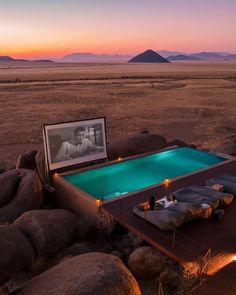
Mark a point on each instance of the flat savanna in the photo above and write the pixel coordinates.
(192, 101)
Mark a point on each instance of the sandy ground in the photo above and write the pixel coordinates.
(192, 101)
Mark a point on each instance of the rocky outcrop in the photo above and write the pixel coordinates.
(27, 160)
(93, 273)
(74, 250)
(28, 196)
(141, 143)
(146, 263)
(16, 252)
(8, 185)
(40, 165)
(50, 231)
(228, 146)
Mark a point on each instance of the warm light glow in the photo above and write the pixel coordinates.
(119, 159)
(98, 202)
(234, 258)
(166, 182)
(56, 174)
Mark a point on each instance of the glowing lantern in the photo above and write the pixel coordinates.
(119, 159)
(98, 202)
(234, 258)
(166, 182)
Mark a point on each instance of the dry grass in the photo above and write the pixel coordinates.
(193, 101)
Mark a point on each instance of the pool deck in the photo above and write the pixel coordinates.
(192, 239)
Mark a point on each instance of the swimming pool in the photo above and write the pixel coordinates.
(120, 178)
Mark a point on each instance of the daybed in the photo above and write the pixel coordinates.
(228, 181)
(224, 198)
(189, 196)
(165, 219)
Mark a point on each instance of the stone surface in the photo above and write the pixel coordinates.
(16, 252)
(228, 146)
(87, 274)
(4, 277)
(146, 263)
(40, 165)
(177, 142)
(8, 185)
(141, 143)
(74, 250)
(50, 231)
(27, 197)
(27, 160)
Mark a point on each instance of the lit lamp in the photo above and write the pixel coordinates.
(166, 183)
(119, 159)
(56, 174)
(98, 202)
(234, 258)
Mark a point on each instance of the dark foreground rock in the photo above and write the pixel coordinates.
(74, 250)
(8, 185)
(141, 143)
(87, 274)
(28, 196)
(16, 252)
(27, 160)
(228, 146)
(146, 263)
(50, 231)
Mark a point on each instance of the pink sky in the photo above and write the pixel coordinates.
(53, 28)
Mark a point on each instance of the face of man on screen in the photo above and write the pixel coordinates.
(79, 136)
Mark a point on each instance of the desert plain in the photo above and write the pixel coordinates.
(191, 101)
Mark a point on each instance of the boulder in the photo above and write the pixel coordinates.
(170, 276)
(141, 143)
(4, 277)
(28, 196)
(74, 250)
(146, 263)
(228, 146)
(50, 231)
(177, 142)
(26, 160)
(92, 273)
(16, 252)
(8, 185)
(40, 165)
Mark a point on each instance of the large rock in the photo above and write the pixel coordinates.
(27, 160)
(74, 250)
(8, 185)
(87, 274)
(40, 165)
(50, 231)
(141, 143)
(16, 252)
(146, 263)
(228, 146)
(28, 196)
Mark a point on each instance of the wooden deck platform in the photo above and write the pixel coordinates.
(222, 283)
(193, 239)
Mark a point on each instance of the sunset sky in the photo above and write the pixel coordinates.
(53, 28)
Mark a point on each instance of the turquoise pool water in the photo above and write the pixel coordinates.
(121, 178)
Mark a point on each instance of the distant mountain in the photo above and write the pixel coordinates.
(230, 57)
(166, 53)
(91, 57)
(42, 60)
(208, 56)
(11, 59)
(6, 58)
(149, 56)
(182, 57)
